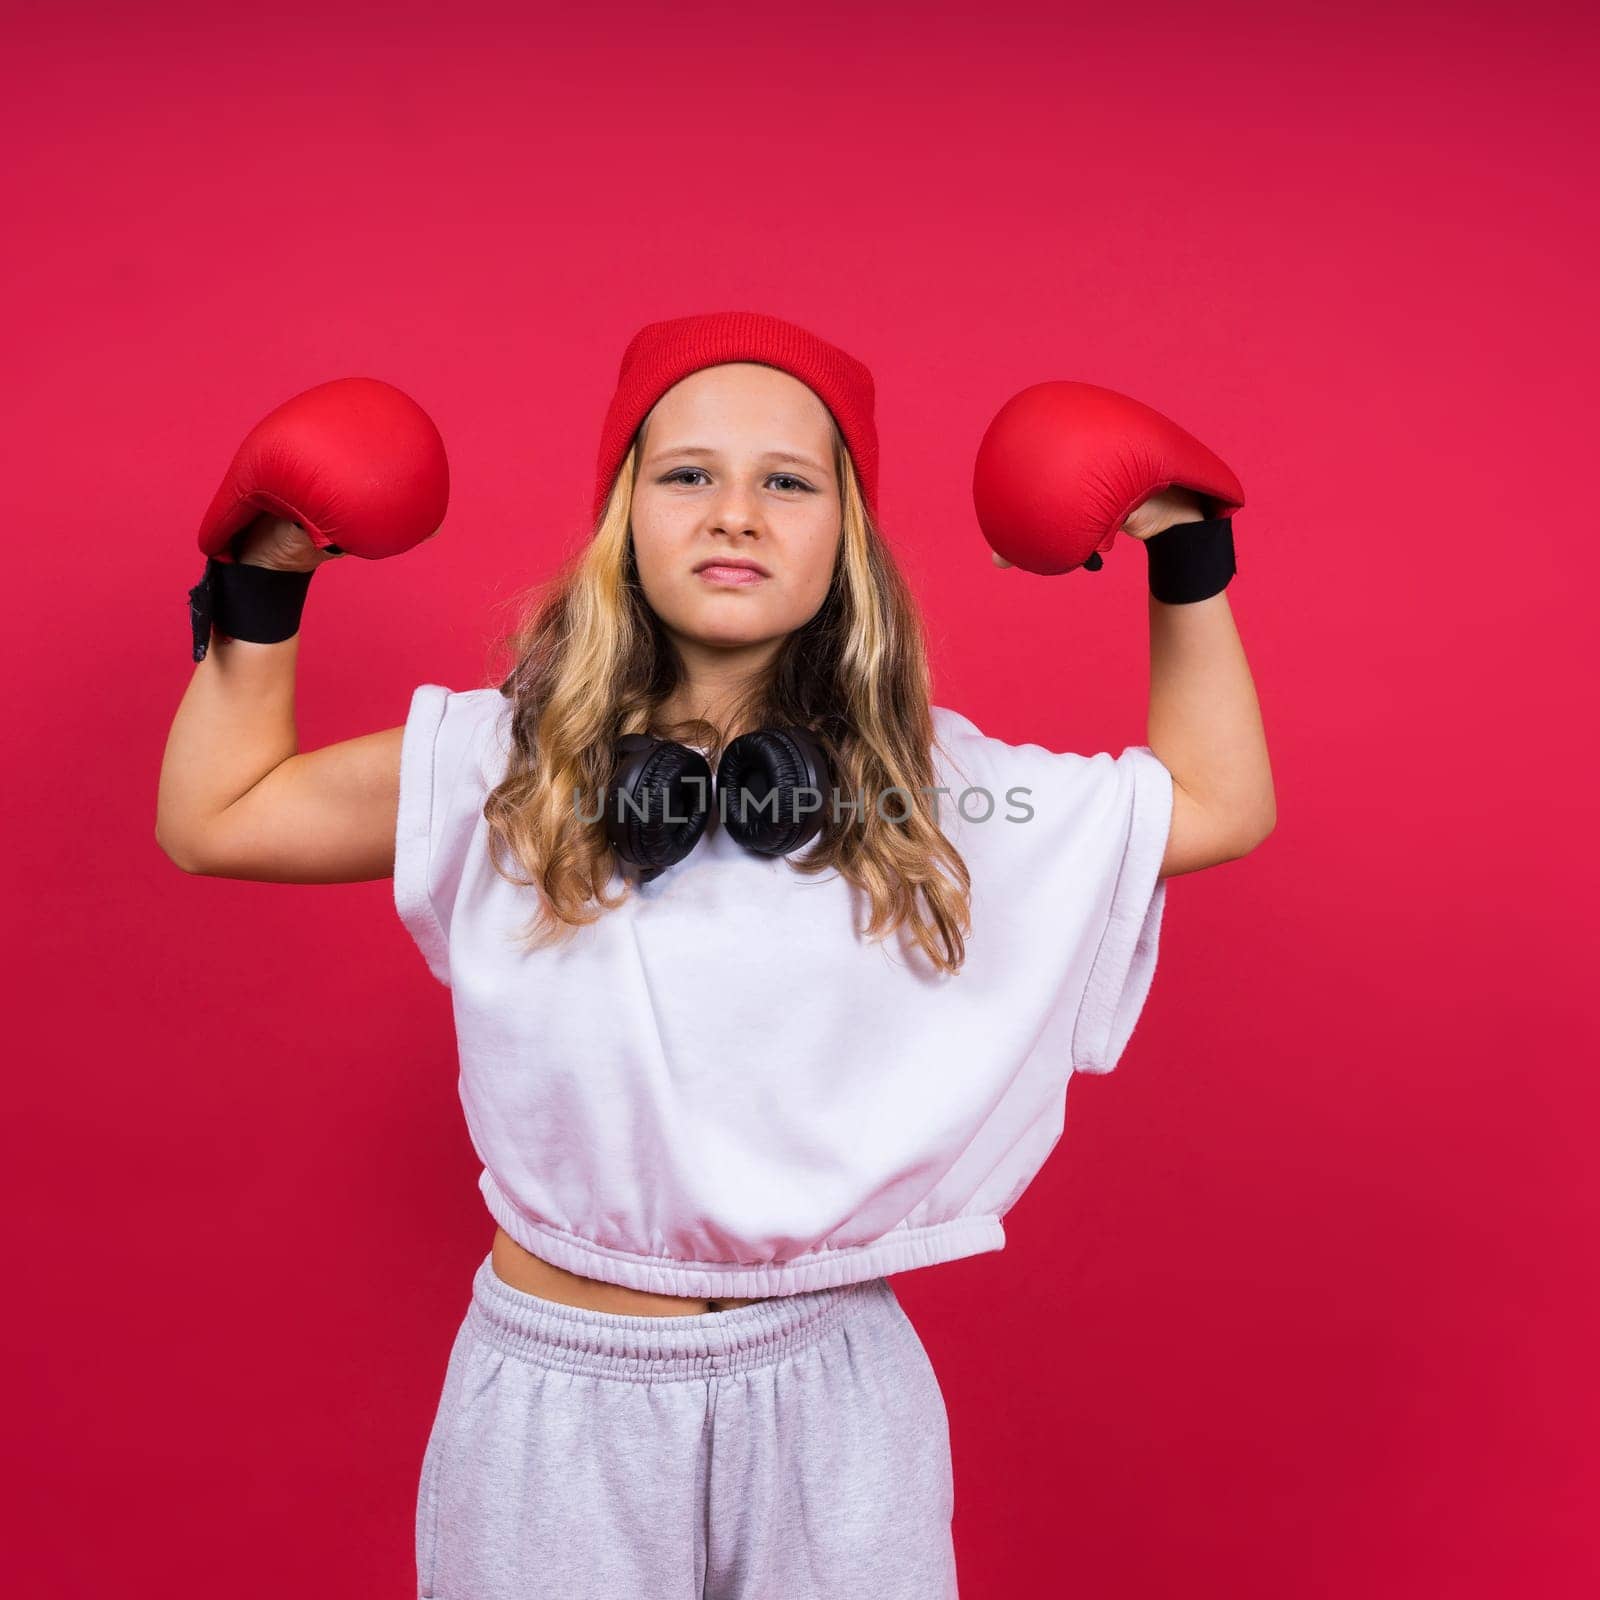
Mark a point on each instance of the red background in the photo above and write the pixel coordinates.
(1304, 1302)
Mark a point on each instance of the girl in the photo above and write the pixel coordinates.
(723, 1075)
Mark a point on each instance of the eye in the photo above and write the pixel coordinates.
(782, 478)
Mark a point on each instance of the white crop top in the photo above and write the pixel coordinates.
(720, 1088)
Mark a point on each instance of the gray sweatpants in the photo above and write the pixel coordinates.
(795, 1449)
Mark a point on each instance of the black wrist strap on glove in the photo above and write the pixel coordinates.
(1191, 561)
(260, 605)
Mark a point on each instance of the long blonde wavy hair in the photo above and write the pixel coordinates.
(592, 662)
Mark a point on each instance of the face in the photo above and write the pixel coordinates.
(736, 513)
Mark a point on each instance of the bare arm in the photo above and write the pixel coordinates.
(1204, 719)
(239, 799)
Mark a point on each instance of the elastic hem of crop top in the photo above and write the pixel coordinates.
(900, 1250)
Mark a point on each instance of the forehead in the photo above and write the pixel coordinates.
(742, 395)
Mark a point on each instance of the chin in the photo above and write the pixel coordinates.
(728, 617)
(722, 625)
(708, 633)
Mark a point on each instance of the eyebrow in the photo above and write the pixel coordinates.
(770, 455)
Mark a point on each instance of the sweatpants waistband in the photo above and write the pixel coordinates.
(652, 1349)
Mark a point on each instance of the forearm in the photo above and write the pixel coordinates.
(1204, 719)
(234, 725)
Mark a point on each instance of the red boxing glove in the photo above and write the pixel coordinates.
(1063, 465)
(359, 465)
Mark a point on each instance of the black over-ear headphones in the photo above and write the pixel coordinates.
(661, 795)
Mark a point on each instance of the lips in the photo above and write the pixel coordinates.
(730, 574)
(734, 563)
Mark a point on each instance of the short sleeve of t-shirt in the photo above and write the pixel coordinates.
(446, 772)
(1080, 866)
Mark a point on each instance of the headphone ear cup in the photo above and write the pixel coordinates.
(657, 803)
(772, 785)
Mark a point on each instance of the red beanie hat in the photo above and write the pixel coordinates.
(662, 353)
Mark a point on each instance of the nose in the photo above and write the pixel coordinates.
(735, 509)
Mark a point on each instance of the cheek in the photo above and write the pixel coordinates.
(821, 554)
(656, 538)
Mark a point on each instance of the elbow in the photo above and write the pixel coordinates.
(1246, 831)
(1261, 829)
(179, 854)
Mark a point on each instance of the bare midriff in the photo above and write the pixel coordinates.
(533, 1275)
